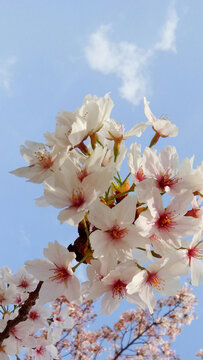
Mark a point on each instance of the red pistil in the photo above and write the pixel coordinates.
(33, 315)
(77, 199)
(14, 332)
(193, 253)
(44, 159)
(47, 162)
(166, 180)
(154, 280)
(165, 221)
(40, 350)
(61, 274)
(18, 299)
(140, 176)
(24, 284)
(116, 233)
(82, 174)
(119, 289)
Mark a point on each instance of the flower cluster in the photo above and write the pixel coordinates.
(131, 229)
(136, 335)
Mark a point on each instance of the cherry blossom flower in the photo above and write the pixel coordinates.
(116, 132)
(17, 336)
(132, 243)
(159, 276)
(63, 320)
(43, 352)
(114, 286)
(7, 294)
(190, 256)
(68, 123)
(56, 273)
(170, 176)
(23, 280)
(4, 351)
(5, 273)
(74, 193)
(37, 318)
(199, 353)
(135, 163)
(74, 127)
(96, 112)
(168, 223)
(197, 208)
(162, 126)
(116, 234)
(42, 163)
(162, 171)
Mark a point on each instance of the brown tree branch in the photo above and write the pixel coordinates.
(22, 314)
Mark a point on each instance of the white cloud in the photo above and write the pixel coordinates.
(25, 238)
(126, 60)
(168, 36)
(6, 73)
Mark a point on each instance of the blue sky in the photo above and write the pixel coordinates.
(53, 53)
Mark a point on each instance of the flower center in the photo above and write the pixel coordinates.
(24, 284)
(166, 180)
(77, 199)
(154, 280)
(82, 174)
(14, 332)
(140, 174)
(33, 315)
(61, 274)
(165, 221)
(44, 159)
(116, 132)
(58, 318)
(195, 253)
(40, 350)
(18, 299)
(116, 233)
(119, 289)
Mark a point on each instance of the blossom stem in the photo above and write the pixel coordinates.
(82, 260)
(86, 230)
(126, 178)
(154, 139)
(99, 142)
(123, 193)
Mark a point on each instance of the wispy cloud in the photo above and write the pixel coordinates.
(126, 60)
(6, 72)
(168, 35)
(25, 238)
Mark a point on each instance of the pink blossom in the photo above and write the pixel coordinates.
(56, 273)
